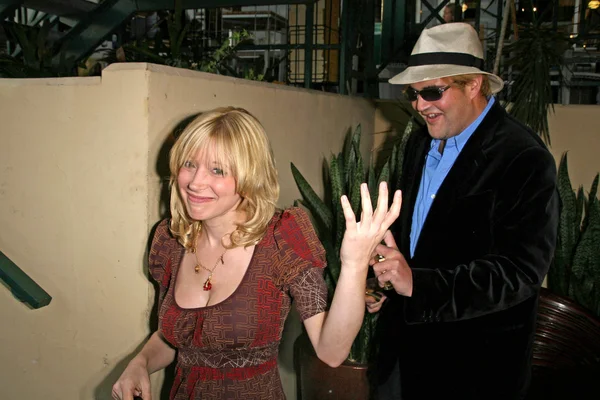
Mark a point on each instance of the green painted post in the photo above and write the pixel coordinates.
(399, 25)
(21, 285)
(371, 83)
(308, 45)
(343, 65)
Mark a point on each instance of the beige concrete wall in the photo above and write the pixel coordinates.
(81, 162)
(576, 129)
(73, 190)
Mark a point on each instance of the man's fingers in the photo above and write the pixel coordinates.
(375, 306)
(389, 241)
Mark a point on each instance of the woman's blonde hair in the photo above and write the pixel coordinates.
(235, 139)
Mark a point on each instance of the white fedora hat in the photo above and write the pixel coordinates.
(446, 50)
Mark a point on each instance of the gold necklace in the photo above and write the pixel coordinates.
(208, 282)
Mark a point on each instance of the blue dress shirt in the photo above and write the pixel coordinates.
(437, 166)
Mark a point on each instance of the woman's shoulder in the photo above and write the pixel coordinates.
(291, 213)
(288, 220)
(293, 233)
(162, 233)
(163, 242)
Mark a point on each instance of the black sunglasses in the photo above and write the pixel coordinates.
(430, 93)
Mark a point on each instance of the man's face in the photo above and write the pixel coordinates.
(448, 14)
(452, 113)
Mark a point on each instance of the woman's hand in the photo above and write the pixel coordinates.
(361, 238)
(135, 381)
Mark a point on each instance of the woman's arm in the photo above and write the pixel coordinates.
(332, 333)
(135, 380)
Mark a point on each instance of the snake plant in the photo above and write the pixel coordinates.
(576, 268)
(343, 174)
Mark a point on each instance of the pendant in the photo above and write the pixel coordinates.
(207, 284)
(197, 268)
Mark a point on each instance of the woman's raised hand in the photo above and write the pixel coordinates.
(362, 237)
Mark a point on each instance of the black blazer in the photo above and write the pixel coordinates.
(483, 252)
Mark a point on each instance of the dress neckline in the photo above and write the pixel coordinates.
(174, 277)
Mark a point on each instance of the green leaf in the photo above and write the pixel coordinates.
(312, 200)
(344, 175)
(532, 58)
(354, 182)
(586, 262)
(568, 230)
(337, 191)
(591, 197)
(372, 180)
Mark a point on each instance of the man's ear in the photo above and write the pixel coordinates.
(474, 86)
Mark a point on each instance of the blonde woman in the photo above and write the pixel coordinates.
(228, 265)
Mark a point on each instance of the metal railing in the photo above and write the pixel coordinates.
(21, 285)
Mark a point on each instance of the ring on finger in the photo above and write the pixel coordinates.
(387, 285)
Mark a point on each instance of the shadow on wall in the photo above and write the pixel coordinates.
(104, 389)
(397, 114)
(162, 163)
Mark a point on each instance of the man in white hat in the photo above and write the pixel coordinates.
(475, 236)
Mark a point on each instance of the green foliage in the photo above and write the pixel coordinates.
(176, 46)
(343, 176)
(35, 58)
(538, 51)
(178, 53)
(576, 268)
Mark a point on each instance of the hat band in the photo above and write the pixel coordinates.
(445, 58)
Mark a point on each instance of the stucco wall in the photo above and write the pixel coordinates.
(73, 190)
(576, 129)
(81, 166)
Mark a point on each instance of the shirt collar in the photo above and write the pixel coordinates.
(459, 141)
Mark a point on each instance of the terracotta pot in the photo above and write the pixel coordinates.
(318, 381)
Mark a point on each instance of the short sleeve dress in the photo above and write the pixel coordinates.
(229, 350)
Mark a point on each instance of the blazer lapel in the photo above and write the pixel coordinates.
(415, 161)
(459, 180)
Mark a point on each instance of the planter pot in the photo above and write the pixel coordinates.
(566, 351)
(318, 381)
(567, 335)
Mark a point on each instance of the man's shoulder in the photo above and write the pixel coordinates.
(509, 133)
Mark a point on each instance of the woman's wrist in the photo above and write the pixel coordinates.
(139, 361)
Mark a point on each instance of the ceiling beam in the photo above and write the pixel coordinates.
(61, 8)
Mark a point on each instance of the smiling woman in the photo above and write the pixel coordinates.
(228, 265)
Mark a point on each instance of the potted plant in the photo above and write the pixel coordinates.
(566, 350)
(535, 56)
(575, 272)
(342, 175)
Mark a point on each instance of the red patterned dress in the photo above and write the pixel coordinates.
(229, 350)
